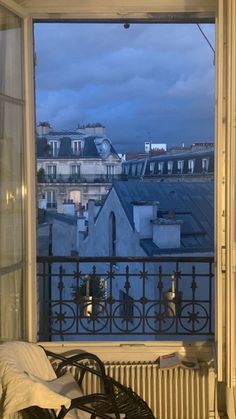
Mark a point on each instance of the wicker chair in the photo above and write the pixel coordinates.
(113, 399)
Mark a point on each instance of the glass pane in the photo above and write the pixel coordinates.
(11, 298)
(10, 53)
(11, 184)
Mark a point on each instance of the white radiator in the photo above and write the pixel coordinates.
(171, 394)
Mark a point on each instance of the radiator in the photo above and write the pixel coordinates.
(171, 394)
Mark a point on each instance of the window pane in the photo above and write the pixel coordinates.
(11, 307)
(10, 53)
(12, 189)
(11, 186)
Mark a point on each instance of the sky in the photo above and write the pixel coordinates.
(149, 82)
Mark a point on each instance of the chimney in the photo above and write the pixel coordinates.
(81, 231)
(69, 207)
(166, 233)
(43, 128)
(91, 215)
(142, 216)
(147, 146)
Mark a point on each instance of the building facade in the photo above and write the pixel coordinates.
(196, 162)
(74, 165)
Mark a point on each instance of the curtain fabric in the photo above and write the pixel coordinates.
(11, 177)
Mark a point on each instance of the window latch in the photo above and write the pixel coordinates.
(223, 258)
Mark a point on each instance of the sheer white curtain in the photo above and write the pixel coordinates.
(11, 178)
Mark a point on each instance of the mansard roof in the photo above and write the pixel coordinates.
(193, 203)
(65, 151)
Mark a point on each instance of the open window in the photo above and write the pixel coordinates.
(224, 13)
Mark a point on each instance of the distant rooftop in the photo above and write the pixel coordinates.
(192, 202)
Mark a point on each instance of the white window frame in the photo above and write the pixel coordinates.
(152, 168)
(51, 171)
(51, 198)
(75, 169)
(76, 147)
(191, 164)
(225, 171)
(205, 165)
(54, 144)
(110, 169)
(170, 164)
(160, 167)
(180, 166)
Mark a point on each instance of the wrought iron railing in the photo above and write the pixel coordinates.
(79, 178)
(149, 297)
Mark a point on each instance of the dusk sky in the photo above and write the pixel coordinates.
(149, 82)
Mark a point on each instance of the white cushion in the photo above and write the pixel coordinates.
(28, 379)
(19, 391)
(66, 386)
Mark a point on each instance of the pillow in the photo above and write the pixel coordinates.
(67, 386)
(64, 385)
(27, 357)
(19, 391)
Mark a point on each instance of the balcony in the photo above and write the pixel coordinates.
(138, 298)
(76, 178)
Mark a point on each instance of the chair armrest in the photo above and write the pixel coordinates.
(74, 361)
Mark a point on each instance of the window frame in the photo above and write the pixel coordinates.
(162, 11)
(160, 167)
(76, 147)
(180, 166)
(55, 145)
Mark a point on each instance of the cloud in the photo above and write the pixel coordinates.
(148, 81)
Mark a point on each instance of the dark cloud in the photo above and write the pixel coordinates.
(153, 81)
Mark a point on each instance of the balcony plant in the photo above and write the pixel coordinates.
(89, 295)
(41, 175)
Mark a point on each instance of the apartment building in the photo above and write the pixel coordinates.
(19, 299)
(74, 165)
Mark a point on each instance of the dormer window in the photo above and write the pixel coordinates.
(54, 147)
(76, 147)
(152, 168)
(205, 165)
(133, 169)
(191, 164)
(169, 167)
(126, 169)
(160, 167)
(180, 166)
